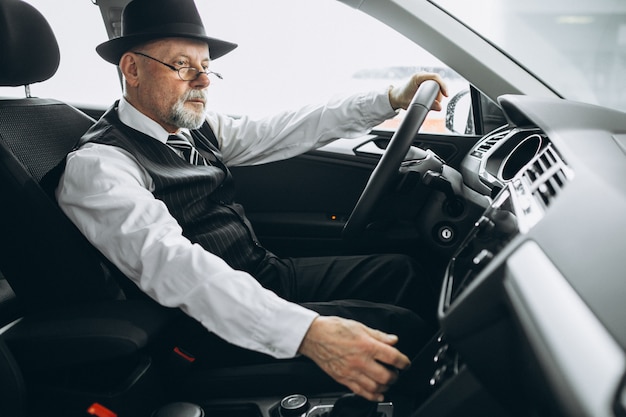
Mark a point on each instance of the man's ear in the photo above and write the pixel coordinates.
(128, 66)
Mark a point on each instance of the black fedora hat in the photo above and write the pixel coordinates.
(145, 20)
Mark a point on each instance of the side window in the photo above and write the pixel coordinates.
(290, 54)
(307, 51)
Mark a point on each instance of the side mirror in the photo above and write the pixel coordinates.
(459, 118)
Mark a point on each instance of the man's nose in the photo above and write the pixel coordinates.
(202, 80)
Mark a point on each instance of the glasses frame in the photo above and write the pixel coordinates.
(173, 68)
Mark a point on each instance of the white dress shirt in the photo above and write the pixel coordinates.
(107, 194)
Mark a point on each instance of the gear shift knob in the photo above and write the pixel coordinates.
(179, 409)
(352, 405)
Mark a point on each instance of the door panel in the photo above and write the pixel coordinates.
(298, 206)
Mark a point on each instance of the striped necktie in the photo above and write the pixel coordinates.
(189, 152)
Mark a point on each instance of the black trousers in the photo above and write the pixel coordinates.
(387, 292)
(388, 279)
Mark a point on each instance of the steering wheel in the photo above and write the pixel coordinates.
(393, 156)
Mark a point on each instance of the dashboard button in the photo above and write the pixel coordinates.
(483, 258)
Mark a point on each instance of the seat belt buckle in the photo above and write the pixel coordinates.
(98, 410)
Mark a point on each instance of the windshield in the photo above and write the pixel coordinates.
(578, 48)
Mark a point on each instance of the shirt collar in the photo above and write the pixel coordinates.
(135, 119)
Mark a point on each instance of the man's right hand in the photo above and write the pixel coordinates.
(361, 358)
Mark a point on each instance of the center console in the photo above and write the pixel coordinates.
(299, 405)
(493, 230)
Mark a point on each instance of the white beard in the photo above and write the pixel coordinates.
(185, 118)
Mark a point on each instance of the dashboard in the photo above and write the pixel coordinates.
(533, 298)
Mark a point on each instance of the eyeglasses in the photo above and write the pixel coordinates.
(184, 73)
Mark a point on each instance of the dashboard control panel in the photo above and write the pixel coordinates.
(519, 206)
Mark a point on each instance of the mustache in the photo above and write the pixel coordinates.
(195, 94)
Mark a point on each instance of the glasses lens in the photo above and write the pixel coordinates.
(190, 74)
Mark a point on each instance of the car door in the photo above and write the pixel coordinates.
(299, 206)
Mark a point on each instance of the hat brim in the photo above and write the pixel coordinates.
(113, 49)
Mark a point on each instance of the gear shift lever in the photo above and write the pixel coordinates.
(352, 405)
(180, 409)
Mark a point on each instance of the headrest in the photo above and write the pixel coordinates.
(29, 52)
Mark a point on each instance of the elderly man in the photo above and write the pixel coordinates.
(149, 186)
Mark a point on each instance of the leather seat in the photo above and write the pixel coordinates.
(75, 317)
(44, 257)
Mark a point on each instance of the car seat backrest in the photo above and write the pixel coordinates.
(44, 257)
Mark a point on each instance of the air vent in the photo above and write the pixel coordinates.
(489, 142)
(547, 174)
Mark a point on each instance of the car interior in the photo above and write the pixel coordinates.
(522, 225)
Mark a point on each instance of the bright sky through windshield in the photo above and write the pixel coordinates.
(294, 52)
(576, 47)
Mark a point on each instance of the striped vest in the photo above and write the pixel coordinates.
(200, 198)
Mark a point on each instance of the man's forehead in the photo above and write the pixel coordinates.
(184, 46)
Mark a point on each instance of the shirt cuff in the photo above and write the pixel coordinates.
(376, 106)
(289, 325)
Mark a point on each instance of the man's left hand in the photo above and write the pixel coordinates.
(400, 97)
